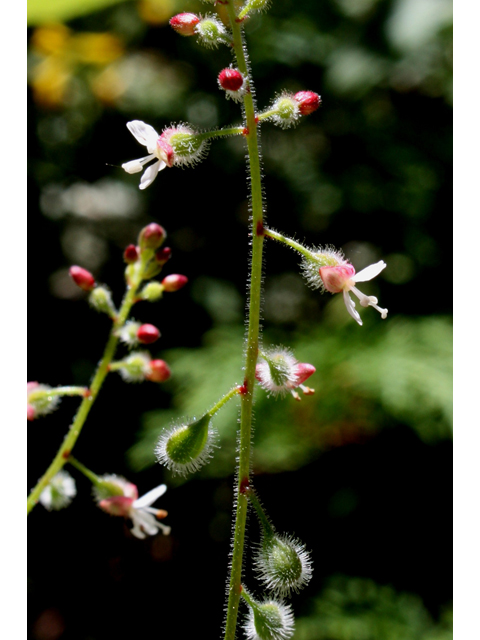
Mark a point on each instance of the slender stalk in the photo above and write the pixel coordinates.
(218, 133)
(98, 379)
(58, 391)
(253, 331)
(288, 241)
(228, 396)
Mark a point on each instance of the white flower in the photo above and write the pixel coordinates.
(139, 510)
(146, 135)
(59, 493)
(343, 278)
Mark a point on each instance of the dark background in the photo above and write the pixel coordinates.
(361, 472)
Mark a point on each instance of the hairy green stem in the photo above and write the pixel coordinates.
(228, 396)
(288, 241)
(217, 133)
(58, 391)
(253, 332)
(98, 379)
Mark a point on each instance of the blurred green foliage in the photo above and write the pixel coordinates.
(358, 609)
(395, 373)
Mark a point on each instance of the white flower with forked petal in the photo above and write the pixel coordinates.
(157, 149)
(139, 510)
(342, 277)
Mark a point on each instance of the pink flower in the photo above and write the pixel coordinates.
(343, 278)
(139, 510)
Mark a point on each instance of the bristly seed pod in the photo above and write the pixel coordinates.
(283, 564)
(269, 620)
(186, 447)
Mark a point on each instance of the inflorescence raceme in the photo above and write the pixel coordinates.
(281, 562)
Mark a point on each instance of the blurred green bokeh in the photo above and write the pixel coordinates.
(370, 172)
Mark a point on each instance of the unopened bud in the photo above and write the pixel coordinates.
(147, 333)
(130, 255)
(230, 79)
(308, 102)
(152, 236)
(82, 278)
(186, 447)
(174, 282)
(211, 32)
(59, 492)
(185, 23)
(101, 299)
(39, 402)
(282, 563)
(163, 255)
(269, 620)
(152, 291)
(255, 5)
(159, 371)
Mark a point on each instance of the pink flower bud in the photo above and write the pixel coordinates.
(336, 279)
(117, 505)
(82, 278)
(302, 371)
(30, 412)
(151, 236)
(230, 79)
(308, 102)
(159, 371)
(163, 255)
(147, 334)
(130, 255)
(174, 282)
(185, 23)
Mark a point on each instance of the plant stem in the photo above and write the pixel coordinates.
(98, 379)
(253, 331)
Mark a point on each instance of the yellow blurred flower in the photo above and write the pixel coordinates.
(156, 11)
(60, 52)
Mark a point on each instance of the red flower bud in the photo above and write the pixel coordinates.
(130, 255)
(147, 334)
(159, 371)
(174, 282)
(185, 23)
(308, 102)
(163, 255)
(82, 278)
(230, 79)
(151, 236)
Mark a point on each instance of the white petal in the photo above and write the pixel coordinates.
(146, 521)
(150, 497)
(349, 303)
(369, 272)
(150, 174)
(144, 133)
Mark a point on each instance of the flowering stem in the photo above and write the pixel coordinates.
(288, 241)
(244, 451)
(98, 379)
